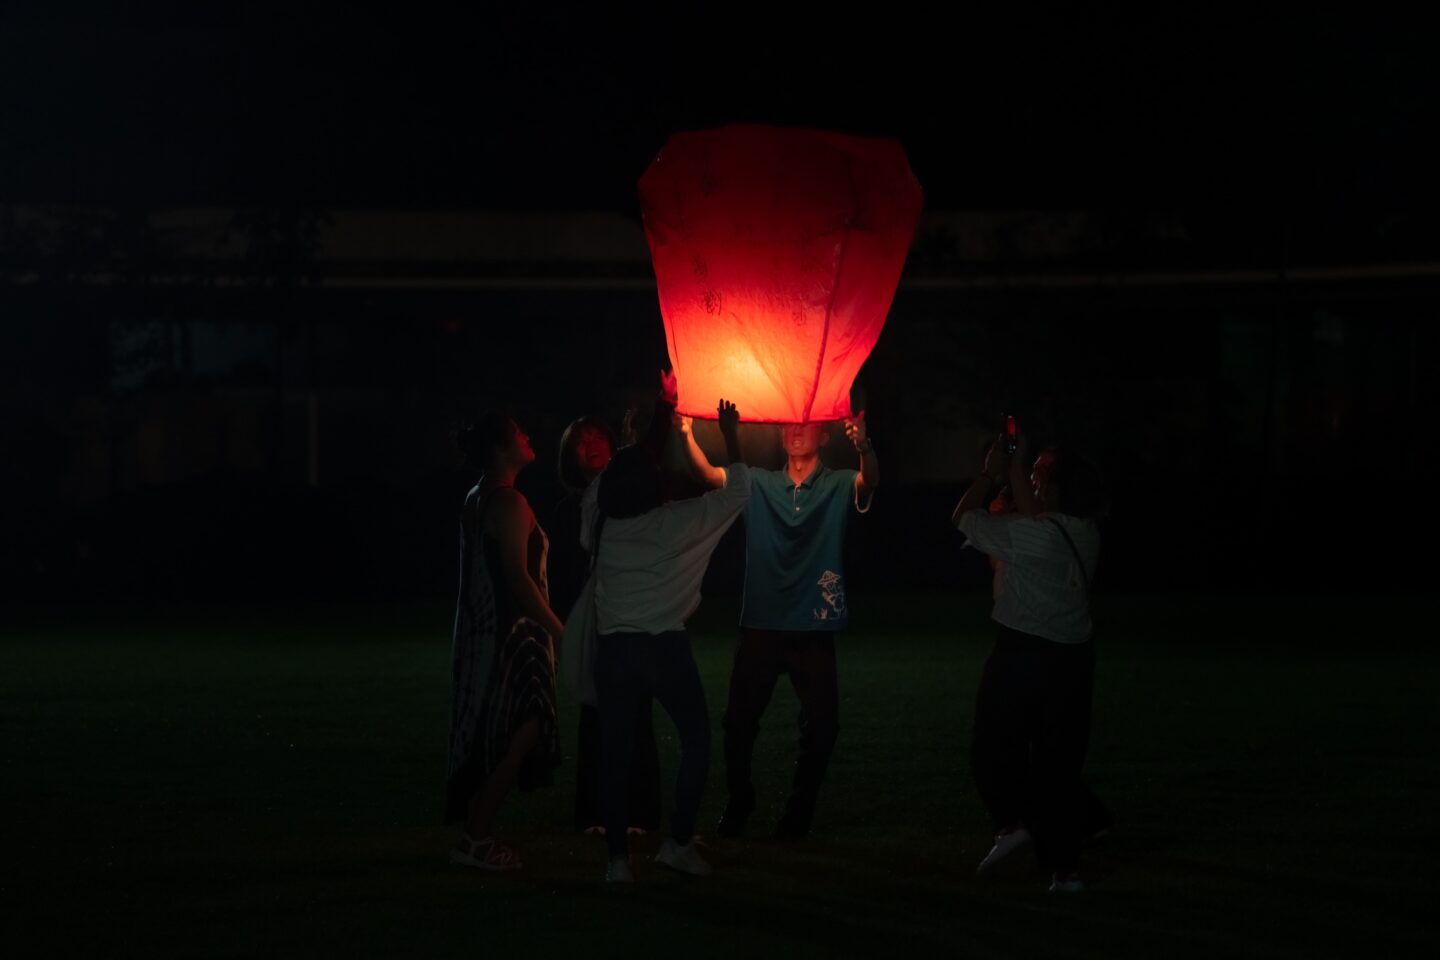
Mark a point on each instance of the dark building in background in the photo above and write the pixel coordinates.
(207, 404)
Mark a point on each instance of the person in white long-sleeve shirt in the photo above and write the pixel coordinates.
(650, 560)
(1032, 711)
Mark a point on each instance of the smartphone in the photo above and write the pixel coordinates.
(1012, 435)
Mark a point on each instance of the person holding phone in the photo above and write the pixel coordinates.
(1032, 711)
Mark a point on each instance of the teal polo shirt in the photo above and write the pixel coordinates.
(794, 543)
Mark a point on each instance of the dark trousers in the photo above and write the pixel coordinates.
(632, 668)
(643, 804)
(1032, 728)
(808, 658)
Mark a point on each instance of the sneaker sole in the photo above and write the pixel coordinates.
(1006, 864)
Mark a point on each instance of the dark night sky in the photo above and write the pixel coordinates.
(547, 108)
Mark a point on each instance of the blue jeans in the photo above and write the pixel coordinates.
(631, 668)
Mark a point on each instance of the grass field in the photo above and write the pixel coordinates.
(255, 785)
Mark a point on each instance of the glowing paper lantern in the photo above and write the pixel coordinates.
(776, 254)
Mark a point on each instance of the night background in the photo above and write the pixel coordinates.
(257, 269)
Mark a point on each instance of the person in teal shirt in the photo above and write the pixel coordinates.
(795, 603)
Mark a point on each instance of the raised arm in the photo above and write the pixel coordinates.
(976, 496)
(729, 419)
(1021, 490)
(700, 466)
(869, 476)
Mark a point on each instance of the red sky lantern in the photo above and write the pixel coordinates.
(776, 252)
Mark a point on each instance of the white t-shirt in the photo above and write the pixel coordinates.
(1039, 588)
(650, 567)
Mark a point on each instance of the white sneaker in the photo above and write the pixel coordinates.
(618, 871)
(1067, 883)
(1006, 852)
(685, 858)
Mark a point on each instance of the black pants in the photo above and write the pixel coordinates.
(809, 660)
(632, 668)
(643, 805)
(1032, 728)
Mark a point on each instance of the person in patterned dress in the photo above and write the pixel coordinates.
(503, 729)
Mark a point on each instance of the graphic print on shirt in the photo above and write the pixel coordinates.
(832, 591)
